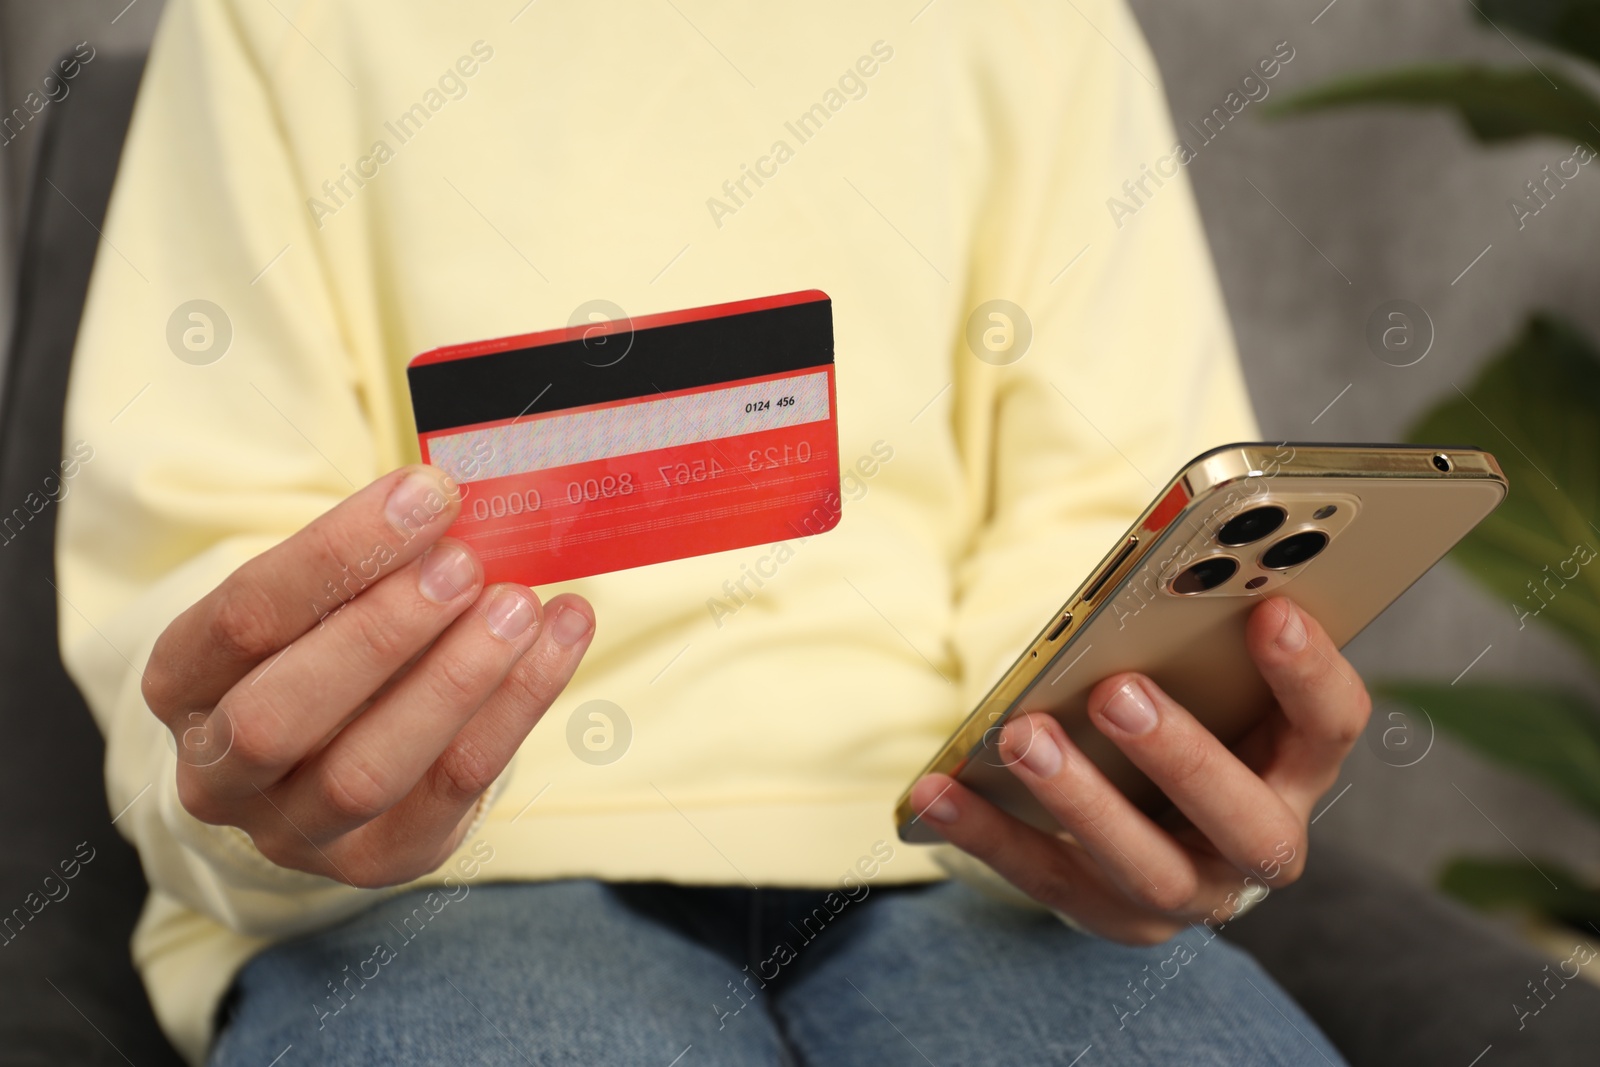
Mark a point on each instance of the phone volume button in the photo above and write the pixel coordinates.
(1060, 627)
(1111, 568)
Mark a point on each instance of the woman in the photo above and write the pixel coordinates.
(312, 703)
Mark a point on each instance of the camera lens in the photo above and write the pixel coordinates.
(1205, 575)
(1252, 525)
(1294, 550)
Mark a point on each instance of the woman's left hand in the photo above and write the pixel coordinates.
(1247, 811)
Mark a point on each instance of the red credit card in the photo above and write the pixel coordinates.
(623, 442)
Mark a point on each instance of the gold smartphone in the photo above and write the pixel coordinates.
(1341, 529)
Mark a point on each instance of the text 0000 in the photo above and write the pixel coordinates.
(501, 505)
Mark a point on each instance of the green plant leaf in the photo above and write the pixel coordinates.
(1498, 104)
(1570, 25)
(1491, 885)
(1536, 406)
(1550, 735)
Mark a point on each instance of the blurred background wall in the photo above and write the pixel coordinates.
(1314, 222)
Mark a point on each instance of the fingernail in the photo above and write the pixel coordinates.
(1034, 746)
(1130, 710)
(509, 614)
(414, 503)
(1292, 638)
(569, 627)
(942, 810)
(447, 572)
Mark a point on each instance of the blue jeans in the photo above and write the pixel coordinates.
(580, 972)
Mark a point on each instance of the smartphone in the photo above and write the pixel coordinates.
(1341, 529)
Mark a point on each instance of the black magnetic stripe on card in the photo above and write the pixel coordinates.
(661, 359)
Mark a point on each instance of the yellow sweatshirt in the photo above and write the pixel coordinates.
(350, 183)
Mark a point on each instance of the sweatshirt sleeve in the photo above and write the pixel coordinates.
(1131, 369)
(215, 408)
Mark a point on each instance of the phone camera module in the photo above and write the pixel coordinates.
(1294, 550)
(1205, 576)
(1250, 526)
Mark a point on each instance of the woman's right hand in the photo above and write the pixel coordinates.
(347, 696)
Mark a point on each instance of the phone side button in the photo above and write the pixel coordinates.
(1111, 568)
(1060, 627)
